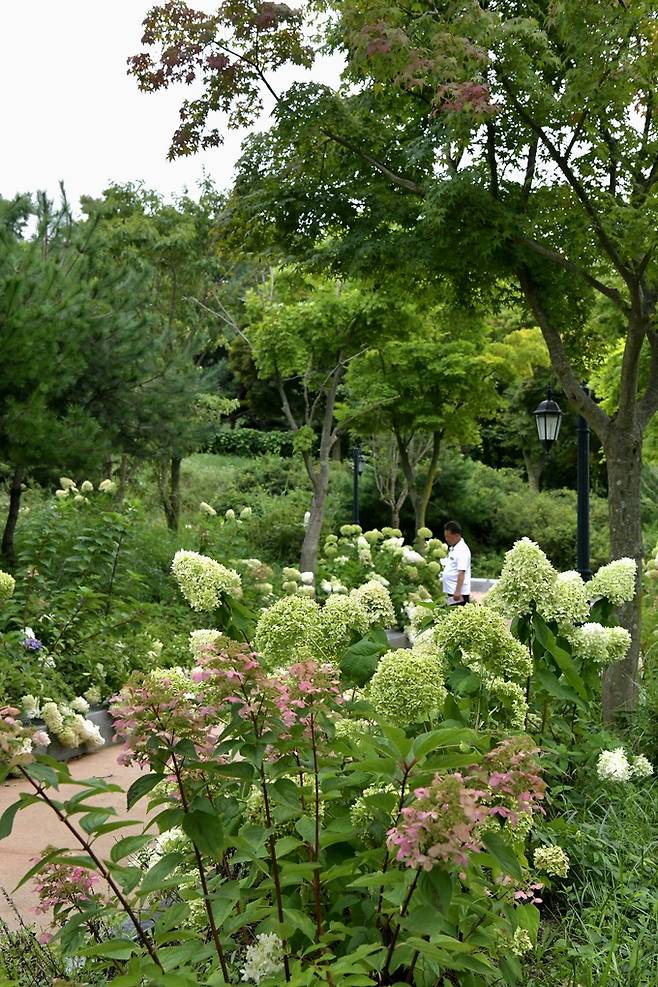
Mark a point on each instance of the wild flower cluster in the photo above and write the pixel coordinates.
(483, 635)
(18, 742)
(68, 488)
(204, 641)
(444, 823)
(407, 687)
(616, 766)
(202, 581)
(7, 586)
(355, 557)
(568, 602)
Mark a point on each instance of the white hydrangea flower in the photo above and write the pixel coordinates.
(202, 641)
(552, 860)
(230, 514)
(207, 509)
(308, 578)
(7, 586)
(614, 765)
(526, 579)
(30, 707)
(326, 587)
(203, 581)
(306, 591)
(569, 601)
(66, 483)
(263, 959)
(615, 581)
(87, 486)
(107, 486)
(600, 644)
(393, 545)
(61, 494)
(376, 601)
(641, 767)
(411, 557)
(80, 705)
(246, 512)
(291, 574)
(52, 717)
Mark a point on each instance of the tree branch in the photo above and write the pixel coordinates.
(403, 183)
(648, 404)
(491, 157)
(587, 407)
(557, 258)
(566, 169)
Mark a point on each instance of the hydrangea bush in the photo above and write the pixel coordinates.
(292, 849)
(411, 573)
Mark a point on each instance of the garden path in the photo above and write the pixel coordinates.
(37, 827)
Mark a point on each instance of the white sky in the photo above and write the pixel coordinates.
(69, 111)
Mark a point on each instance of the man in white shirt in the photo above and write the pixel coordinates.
(457, 568)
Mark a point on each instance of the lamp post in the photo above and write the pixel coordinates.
(357, 469)
(548, 418)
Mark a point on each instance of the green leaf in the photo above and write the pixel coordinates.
(92, 820)
(359, 662)
(157, 877)
(205, 830)
(129, 844)
(502, 854)
(527, 917)
(301, 921)
(141, 787)
(563, 660)
(445, 737)
(8, 816)
(113, 949)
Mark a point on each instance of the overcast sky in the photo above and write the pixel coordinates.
(69, 112)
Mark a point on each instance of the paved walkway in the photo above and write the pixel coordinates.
(38, 827)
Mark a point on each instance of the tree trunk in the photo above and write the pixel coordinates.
(533, 470)
(174, 492)
(624, 465)
(311, 544)
(424, 499)
(169, 487)
(15, 492)
(123, 478)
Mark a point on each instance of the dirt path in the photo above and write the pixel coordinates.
(38, 827)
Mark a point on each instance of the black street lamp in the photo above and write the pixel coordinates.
(357, 469)
(548, 417)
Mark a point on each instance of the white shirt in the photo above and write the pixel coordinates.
(459, 560)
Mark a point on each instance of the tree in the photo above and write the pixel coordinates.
(433, 387)
(304, 334)
(512, 141)
(60, 310)
(176, 408)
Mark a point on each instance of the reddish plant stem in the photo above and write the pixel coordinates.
(100, 866)
(317, 895)
(202, 875)
(387, 858)
(403, 912)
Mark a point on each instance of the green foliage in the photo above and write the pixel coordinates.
(251, 442)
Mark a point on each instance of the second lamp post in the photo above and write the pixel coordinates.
(548, 417)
